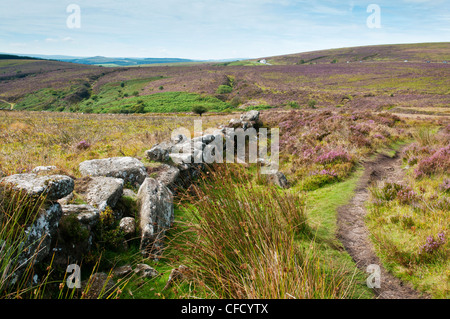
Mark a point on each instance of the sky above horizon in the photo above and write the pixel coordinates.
(214, 29)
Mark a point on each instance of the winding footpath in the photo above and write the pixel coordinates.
(10, 104)
(354, 235)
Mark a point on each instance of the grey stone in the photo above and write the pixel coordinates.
(44, 169)
(130, 169)
(168, 175)
(53, 187)
(250, 116)
(86, 214)
(198, 145)
(41, 233)
(100, 285)
(156, 214)
(235, 123)
(128, 226)
(75, 234)
(123, 271)
(279, 179)
(66, 200)
(181, 158)
(177, 274)
(129, 193)
(208, 138)
(262, 161)
(146, 271)
(103, 191)
(180, 138)
(159, 152)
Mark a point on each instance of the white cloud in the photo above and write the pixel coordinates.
(53, 40)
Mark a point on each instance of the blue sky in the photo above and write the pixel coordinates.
(214, 29)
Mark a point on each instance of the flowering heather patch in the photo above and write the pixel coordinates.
(83, 145)
(413, 152)
(406, 195)
(442, 203)
(322, 139)
(333, 157)
(325, 172)
(433, 244)
(360, 128)
(438, 162)
(445, 186)
(391, 191)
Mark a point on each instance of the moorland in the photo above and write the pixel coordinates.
(337, 110)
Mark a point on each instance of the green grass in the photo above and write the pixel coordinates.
(322, 205)
(117, 97)
(4, 105)
(166, 102)
(145, 288)
(400, 224)
(124, 97)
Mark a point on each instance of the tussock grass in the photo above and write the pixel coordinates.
(242, 242)
(17, 211)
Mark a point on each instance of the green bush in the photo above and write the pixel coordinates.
(224, 89)
(235, 101)
(293, 104)
(314, 182)
(312, 104)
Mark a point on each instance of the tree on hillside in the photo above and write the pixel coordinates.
(199, 109)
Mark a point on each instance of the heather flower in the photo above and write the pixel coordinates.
(406, 195)
(443, 203)
(333, 156)
(438, 162)
(433, 244)
(413, 160)
(325, 172)
(360, 129)
(83, 145)
(379, 136)
(445, 186)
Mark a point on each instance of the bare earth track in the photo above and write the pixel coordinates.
(354, 234)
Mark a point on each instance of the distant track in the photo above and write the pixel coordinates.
(10, 104)
(354, 235)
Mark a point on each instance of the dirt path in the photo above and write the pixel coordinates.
(353, 232)
(10, 104)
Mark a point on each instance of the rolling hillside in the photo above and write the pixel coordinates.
(419, 52)
(381, 81)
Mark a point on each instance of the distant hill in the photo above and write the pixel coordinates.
(419, 52)
(15, 57)
(100, 60)
(105, 61)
